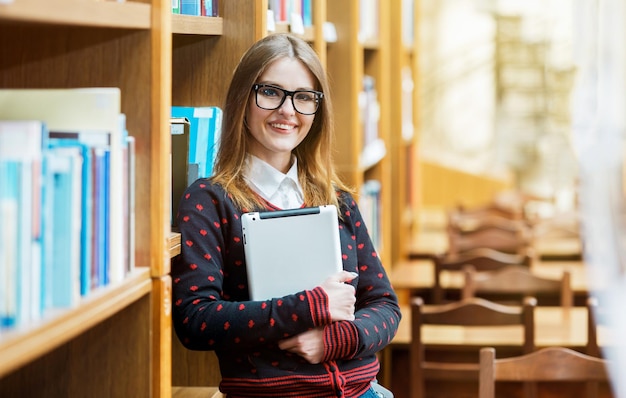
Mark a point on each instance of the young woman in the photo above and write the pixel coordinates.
(275, 153)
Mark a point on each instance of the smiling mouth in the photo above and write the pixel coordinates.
(282, 126)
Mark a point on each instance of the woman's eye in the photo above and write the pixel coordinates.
(305, 97)
(270, 92)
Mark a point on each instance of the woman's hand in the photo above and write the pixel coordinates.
(309, 345)
(341, 296)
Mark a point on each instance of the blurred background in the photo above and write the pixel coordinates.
(496, 83)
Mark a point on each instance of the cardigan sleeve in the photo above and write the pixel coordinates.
(377, 311)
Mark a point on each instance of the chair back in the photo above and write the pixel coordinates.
(469, 222)
(494, 237)
(469, 312)
(551, 364)
(482, 258)
(516, 281)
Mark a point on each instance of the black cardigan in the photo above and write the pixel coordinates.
(212, 310)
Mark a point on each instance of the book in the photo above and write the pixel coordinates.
(130, 202)
(82, 109)
(190, 7)
(215, 127)
(21, 153)
(93, 145)
(204, 132)
(8, 243)
(369, 206)
(63, 270)
(179, 162)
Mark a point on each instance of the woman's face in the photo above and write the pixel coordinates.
(275, 133)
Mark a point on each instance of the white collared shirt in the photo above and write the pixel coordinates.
(280, 189)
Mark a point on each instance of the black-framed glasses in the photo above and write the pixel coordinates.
(271, 97)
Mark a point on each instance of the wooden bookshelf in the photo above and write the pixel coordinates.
(348, 61)
(113, 343)
(403, 140)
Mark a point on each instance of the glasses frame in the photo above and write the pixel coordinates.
(318, 94)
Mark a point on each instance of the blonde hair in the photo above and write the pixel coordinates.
(315, 164)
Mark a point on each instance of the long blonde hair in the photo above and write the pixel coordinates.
(315, 164)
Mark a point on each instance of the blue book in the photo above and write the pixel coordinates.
(81, 142)
(190, 7)
(202, 135)
(105, 267)
(307, 13)
(8, 243)
(215, 135)
(65, 168)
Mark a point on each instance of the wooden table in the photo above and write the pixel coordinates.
(420, 274)
(553, 326)
(432, 241)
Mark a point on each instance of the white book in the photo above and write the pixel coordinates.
(21, 144)
(80, 109)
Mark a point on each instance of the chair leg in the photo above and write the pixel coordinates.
(530, 390)
(592, 389)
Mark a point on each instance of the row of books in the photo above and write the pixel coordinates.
(206, 8)
(369, 205)
(297, 13)
(373, 149)
(196, 132)
(66, 198)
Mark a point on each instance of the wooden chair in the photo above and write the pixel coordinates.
(494, 237)
(483, 259)
(512, 212)
(592, 348)
(470, 312)
(551, 364)
(467, 223)
(515, 281)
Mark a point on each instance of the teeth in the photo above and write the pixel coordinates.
(282, 126)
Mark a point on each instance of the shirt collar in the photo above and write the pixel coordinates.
(265, 179)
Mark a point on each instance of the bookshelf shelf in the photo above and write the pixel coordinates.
(193, 25)
(132, 15)
(18, 347)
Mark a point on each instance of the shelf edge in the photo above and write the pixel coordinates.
(130, 14)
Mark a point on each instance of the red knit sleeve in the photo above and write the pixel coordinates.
(340, 340)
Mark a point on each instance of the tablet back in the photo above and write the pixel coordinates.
(288, 251)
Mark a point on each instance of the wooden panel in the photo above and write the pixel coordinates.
(448, 187)
(193, 368)
(93, 363)
(345, 72)
(154, 197)
(202, 65)
(132, 14)
(196, 392)
(162, 336)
